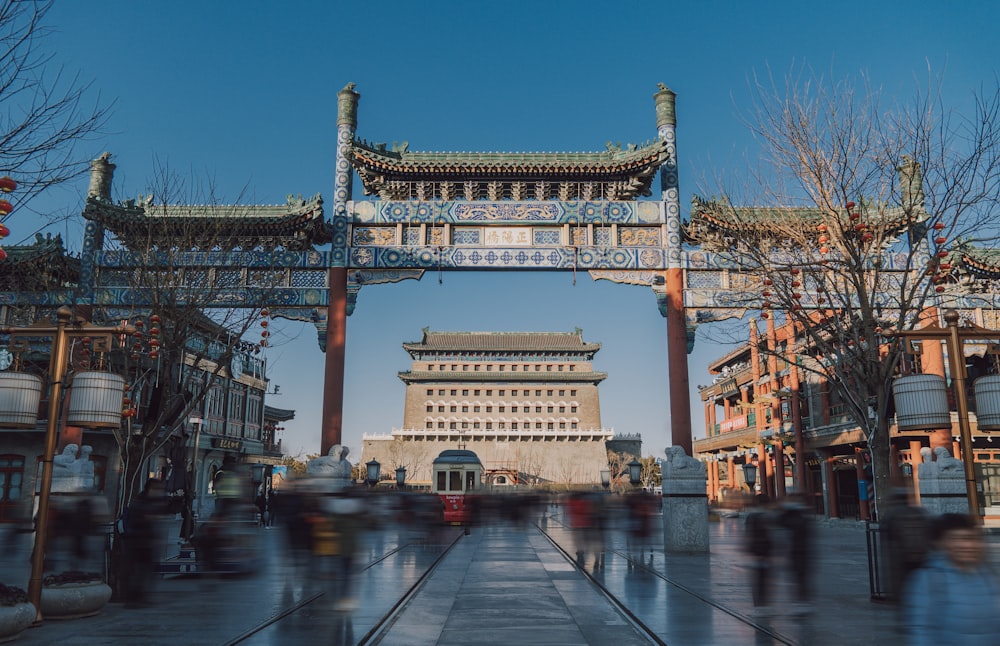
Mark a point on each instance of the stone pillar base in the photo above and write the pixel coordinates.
(685, 504)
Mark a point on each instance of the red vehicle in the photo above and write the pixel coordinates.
(457, 477)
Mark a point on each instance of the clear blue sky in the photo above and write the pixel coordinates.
(244, 93)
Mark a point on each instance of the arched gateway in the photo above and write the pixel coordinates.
(434, 211)
(452, 211)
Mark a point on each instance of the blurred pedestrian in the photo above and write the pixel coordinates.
(795, 518)
(954, 598)
(907, 541)
(760, 543)
(140, 538)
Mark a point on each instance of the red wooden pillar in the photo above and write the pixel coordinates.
(832, 503)
(336, 339)
(915, 461)
(677, 364)
(779, 469)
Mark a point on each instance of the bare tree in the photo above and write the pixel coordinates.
(187, 346)
(44, 113)
(864, 204)
(410, 455)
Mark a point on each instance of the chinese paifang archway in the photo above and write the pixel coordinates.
(428, 211)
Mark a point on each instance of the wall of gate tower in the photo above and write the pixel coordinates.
(527, 403)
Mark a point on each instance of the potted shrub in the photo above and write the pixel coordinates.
(16, 612)
(73, 594)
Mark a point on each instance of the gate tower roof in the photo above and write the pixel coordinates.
(616, 173)
(297, 225)
(502, 341)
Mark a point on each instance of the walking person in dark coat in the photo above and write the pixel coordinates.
(140, 538)
(760, 543)
(795, 518)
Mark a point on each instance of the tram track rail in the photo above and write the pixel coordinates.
(636, 620)
(382, 624)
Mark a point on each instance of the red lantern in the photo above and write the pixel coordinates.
(154, 331)
(264, 334)
(821, 228)
(938, 226)
(153, 354)
(824, 250)
(5, 207)
(139, 324)
(945, 266)
(823, 239)
(854, 216)
(4, 231)
(763, 315)
(850, 205)
(3, 255)
(796, 283)
(7, 184)
(942, 254)
(867, 237)
(796, 295)
(265, 312)
(794, 271)
(768, 282)
(263, 343)
(765, 305)
(263, 323)
(940, 240)
(860, 226)
(766, 294)
(939, 289)
(155, 343)
(155, 318)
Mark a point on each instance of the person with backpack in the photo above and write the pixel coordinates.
(954, 598)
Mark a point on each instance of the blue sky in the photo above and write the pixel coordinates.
(244, 94)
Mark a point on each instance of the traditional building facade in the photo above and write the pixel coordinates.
(763, 395)
(526, 402)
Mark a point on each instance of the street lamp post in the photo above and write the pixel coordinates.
(196, 422)
(63, 330)
(400, 478)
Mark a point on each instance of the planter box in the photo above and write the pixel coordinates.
(72, 600)
(14, 619)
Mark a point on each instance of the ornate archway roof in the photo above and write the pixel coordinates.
(615, 174)
(977, 261)
(297, 225)
(39, 267)
(713, 221)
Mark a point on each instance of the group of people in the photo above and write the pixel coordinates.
(766, 525)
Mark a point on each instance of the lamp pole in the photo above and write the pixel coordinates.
(58, 360)
(954, 337)
(196, 421)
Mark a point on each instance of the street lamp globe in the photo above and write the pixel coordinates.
(605, 478)
(374, 469)
(400, 477)
(634, 471)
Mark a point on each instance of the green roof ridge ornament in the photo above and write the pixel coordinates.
(347, 106)
(665, 113)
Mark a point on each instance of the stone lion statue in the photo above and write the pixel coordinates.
(332, 465)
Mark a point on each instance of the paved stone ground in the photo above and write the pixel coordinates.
(501, 584)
